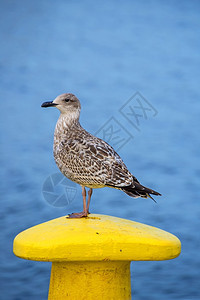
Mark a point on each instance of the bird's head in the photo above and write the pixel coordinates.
(68, 104)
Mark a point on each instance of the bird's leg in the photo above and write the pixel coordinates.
(89, 198)
(84, 200)
(84, 213)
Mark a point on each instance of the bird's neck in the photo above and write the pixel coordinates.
(66, 121)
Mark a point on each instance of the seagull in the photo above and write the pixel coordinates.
(88, 160)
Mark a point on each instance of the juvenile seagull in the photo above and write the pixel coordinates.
(86, 159)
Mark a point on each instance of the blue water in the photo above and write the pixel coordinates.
(104, 52)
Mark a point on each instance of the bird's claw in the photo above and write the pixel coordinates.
(77, 215)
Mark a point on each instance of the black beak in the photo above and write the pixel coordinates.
(48, 104)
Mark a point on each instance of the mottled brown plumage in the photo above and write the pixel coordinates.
(86, 159)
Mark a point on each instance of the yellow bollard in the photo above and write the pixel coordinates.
(91, 256)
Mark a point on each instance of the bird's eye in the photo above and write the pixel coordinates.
(67, 100)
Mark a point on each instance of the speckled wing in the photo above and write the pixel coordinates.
(113, 170)
(92, 162)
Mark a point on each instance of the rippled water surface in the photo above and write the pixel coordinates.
(104, 52)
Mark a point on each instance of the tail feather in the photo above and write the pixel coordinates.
(137, 190)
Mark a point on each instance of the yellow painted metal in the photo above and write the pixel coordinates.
(97, 237)
(90, 280)
(91, 256)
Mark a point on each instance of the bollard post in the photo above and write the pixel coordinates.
(91, 256)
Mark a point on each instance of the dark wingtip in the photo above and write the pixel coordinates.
(149, 191)
(148, 195)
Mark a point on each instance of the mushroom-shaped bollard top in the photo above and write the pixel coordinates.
(91, 256)
(95, 238)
